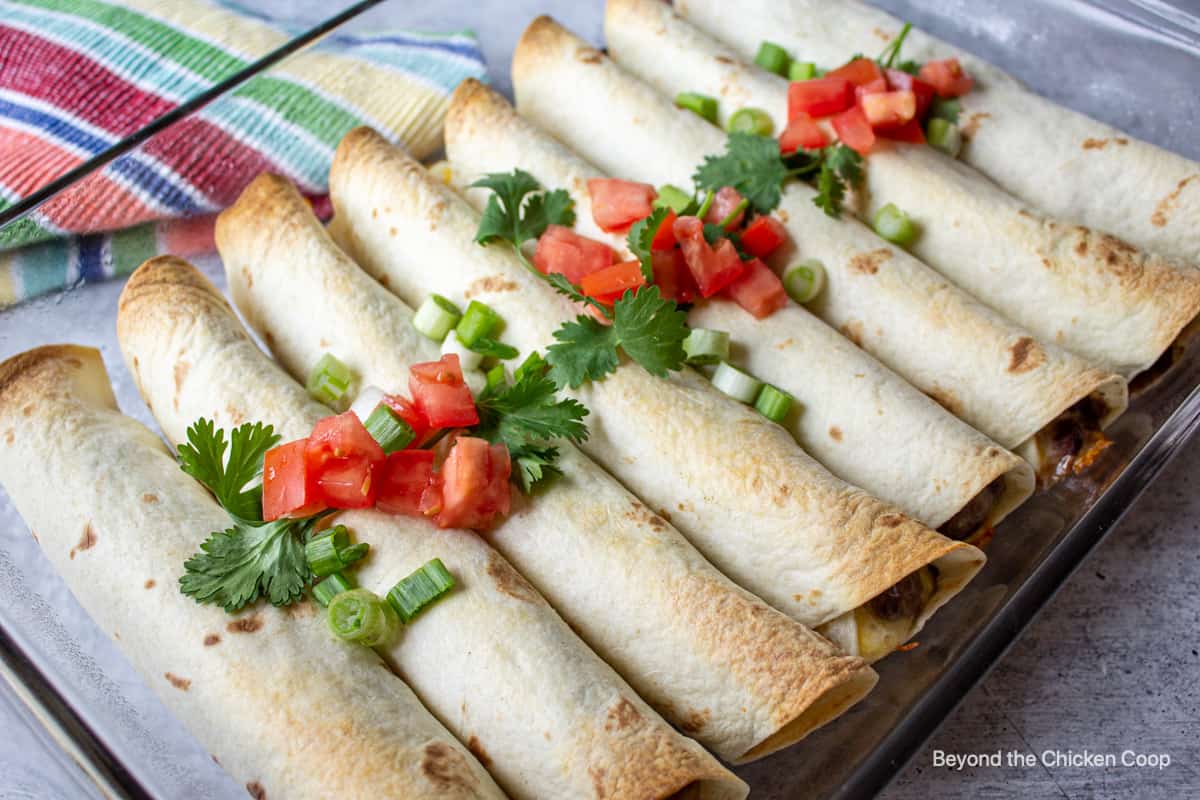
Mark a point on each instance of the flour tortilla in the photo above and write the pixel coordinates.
(1073, 167)
(977, 364)
(1085, 290)
(725, 668)
(858, 418)
(492, 659)
(735, 484)
(283, 707)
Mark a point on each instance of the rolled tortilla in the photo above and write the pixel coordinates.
(1072, 167)
(284, 708)
(736, 485)
(632, 587)
(859, 419)
(977, 364)
(541, 711)
(1084, 290)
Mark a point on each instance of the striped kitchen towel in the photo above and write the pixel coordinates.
(78, 75)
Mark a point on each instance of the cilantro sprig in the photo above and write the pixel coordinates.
(641, 239)
(519, 211)
(203, 457)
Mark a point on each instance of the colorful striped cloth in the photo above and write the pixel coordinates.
(78, 75)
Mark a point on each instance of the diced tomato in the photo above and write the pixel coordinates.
(614, 280)
(854, 131)
(947, 77)
(672, 276)
(802, 131)
(595, 314)
(440, 394)
(763, 236)
(712, 268)
(924, 92)
(724, 202)
(664, 237)
(759, 290)
(409, 413)
(474, 484)
(888, 109)
(348, 483)
(874, 87)
(289, 489)
(617, 204)
(342, 456)
(343, 436)
(404, 479)
(860, 72)
(819, 97)
(908, 132)
(562, 250)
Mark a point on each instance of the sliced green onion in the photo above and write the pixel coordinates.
(942, 108)
(894, 225)
(533, 364)
(735, 383)
(436, 317)
(706, 205)
(945, 136)
(360, 616)
(477, 322)
(389, 429)
(704, 346)
(772, 403)
(672, 197)
(353, 553)
(772, 58)
(322, 555)
(468, 359)
(418, 590)
(331, 587)
(329, 380)
(805, 280)
(700, 104)
(496, 378)
(750, 120)
(802, 71)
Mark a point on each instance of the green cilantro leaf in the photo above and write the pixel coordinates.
(549, 208)
(586, 351)
(203, 457)
(641, 240)
(945, 109)
(752, 165)
(535, 465)
(510, 217)
(651, 330)
(238, 566)
(840, 166)
(564, 287)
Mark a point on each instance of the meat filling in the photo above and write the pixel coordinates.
(971, 519)
(1071, 443)
(906, 599)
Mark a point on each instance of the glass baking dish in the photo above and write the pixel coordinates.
(122, 742)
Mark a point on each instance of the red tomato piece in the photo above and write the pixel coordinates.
(343, 436)
(348, 483)
(404, 479)
(409, 413)
(758, 290)
(712, 268)
(763, 236)
(439, 393)
(289, 490)
(471, 496)
(860, 72)
(924, 92)
(672, 276)
(617, 204)
(888, 109)
(614, 280)
(877, 86)
(947, 77)
(802, 131)
(724, 202)
(564, 251)
(854, 131)
(664, 237)
(819, 97)
(908, 132)
(343, 456)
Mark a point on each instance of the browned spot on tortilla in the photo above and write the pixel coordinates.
(86, 542)
(724, 60)
(150, 583)
(868, 263)
(9, 436)
(33, 533)
(300, 609)
(694, 721)
(891, 520)
(882, 34)
(835, 433)
(269, 339)
(783, 215)
(1162, 213)
(324, 343)
(249, 278)
(445, 767)
(392, 231)
(492, 283)
(211, 639)
(853, 330)
(236, 417)
(182, 684)
(476, 748)
(639, 513)
(662, 512)
(1081, 247)
(385, 281)
(256, 790)
(785, 344)
(622, 715)
(149, 498)
(1025, 355)
(946, 399)
(589, 55)
(508, 581)
(972, 126)
(1121, 140)
(248, 624)
(597, 775)
(27, 411)
(1121, 258)
(1046, 263)
(181, 372)
(1094, 144)
(374, 213)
